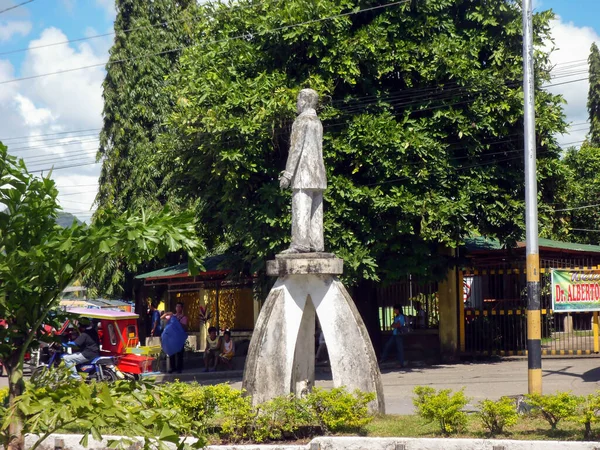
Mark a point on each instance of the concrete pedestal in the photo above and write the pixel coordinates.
(281, 356)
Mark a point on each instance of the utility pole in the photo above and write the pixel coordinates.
(534, 330)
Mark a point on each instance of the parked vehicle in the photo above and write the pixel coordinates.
(119, 338)
(102, 368)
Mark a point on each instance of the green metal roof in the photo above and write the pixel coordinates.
(477, 243)
(211, 264)
(568, 246)
(480, 243)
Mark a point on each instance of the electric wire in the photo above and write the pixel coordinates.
(15, 6)
(178, 49)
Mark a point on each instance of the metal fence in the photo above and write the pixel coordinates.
(493, 315)
(411, 294)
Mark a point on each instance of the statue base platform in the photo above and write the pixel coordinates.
(304, 264)
(281, 356)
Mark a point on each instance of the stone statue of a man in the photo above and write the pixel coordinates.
(305, 174)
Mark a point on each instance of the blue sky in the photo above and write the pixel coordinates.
(54, 120)
(581, 12)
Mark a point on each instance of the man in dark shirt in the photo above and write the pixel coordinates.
(88, 344)
(156, 329)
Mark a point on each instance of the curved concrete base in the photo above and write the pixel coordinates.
(281, 355)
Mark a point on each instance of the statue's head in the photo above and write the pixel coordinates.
(307, 98)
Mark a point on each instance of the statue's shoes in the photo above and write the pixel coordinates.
(293, 250)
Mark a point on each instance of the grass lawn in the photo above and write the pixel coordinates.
(528, 428)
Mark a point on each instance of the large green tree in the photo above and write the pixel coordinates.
(39, 258)
(148, 35)
(422, 107)
(594, 96)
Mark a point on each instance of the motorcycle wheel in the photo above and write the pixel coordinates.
(108, 376)
(38, 373)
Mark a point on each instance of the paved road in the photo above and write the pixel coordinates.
(491, 379)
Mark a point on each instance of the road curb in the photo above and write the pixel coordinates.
(71, 442)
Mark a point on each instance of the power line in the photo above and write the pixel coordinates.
(48, 169)
(56, 144)
(586, 230)
(577, 208)
(112, 33)
(15, 6)
(174, 50)
(50, 134)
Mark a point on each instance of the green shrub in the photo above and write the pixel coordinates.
(232, 410)
(281, 418)
(554, 408)
(589, 407)
(496, 415)
(338, 410)
(441, 407)
(123, 408)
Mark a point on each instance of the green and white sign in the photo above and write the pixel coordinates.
(575, 290)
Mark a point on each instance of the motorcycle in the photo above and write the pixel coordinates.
(101, 368)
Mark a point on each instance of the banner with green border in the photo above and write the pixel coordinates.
(575, 290)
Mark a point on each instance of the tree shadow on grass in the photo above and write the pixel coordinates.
(558, 434)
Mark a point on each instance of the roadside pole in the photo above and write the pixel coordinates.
(534, 332)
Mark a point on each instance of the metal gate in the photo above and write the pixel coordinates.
(493, 316)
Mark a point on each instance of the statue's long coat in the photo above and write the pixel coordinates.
(305, 160)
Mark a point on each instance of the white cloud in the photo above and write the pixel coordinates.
(108, 6)
(32, 116)
(570, 59)
(41, 116)
(74, 97)
(8, 29)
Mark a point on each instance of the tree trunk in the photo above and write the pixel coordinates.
(16, 386)
(365, 298)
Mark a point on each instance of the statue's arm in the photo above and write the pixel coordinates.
(296, 144)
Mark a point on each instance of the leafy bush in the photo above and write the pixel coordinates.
(125, 408)
(441, 407)
(589, 407)
(167, 412)
(554, 408)
(496, 415)
(339, 410)
(280, 418)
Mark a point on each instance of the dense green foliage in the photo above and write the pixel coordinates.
(594, 96)
(498, 415)
(136, 105)
(441, 407)
(125, 408)
(171, 411)
(136, 101)
(421, 104)
(39, 258)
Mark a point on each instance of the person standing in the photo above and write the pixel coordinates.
(305, 174)
(396, 339)
(155, 325)
(176, 360)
